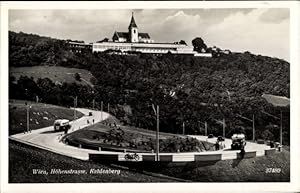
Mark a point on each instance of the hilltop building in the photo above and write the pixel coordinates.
(79, 46)
(134, 41)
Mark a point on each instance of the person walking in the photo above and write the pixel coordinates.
(242, 152)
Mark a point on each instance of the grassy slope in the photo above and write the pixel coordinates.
(245, 170)
(87, 137)
(55, 73)
(41, 115)
(21, 155)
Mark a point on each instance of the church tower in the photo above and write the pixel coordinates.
(133, 30)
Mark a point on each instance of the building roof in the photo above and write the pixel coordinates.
(126, 36)
(132, 22)
(122, 34)
(144, 35)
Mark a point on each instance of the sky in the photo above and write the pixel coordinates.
(260, 31)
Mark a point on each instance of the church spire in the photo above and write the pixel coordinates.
(132, 22)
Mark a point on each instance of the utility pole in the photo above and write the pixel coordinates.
(280, 127)
(205, 125)
(253, 126)
(157, 132)
(224, 127)
(156, 112)
(101, 110)
(183, 128)
(27, 115)
(93, 103)
(75, 105)
(108, 107)
(37, 98)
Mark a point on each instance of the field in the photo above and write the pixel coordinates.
(57, 74)
(21, 155)
(40, 115)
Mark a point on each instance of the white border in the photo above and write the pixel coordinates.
(155, 187)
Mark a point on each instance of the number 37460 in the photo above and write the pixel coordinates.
(273, 170)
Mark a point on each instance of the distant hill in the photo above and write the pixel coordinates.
(56, 74)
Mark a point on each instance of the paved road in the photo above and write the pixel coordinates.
(47, 139)
(250, 146)
(50, 140)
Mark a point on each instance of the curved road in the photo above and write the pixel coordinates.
(46, 138)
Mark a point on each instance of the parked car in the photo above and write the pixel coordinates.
(90, 114)
(238, 141)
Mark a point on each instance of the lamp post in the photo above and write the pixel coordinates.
(101, 110)
(75, 106)
(27, 117)
(224, 127)
(253, 128)
(205, 126)
(156, 112)
(253, 124)
(223, 124)
(280, 127)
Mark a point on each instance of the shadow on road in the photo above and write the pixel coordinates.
(230, 150)
(52, 131)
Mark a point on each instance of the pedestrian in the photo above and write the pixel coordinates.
(217, 145)
(115, 124)
(88, 122)
(93, 121)
(242, 152)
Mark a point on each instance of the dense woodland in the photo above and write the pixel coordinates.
(187, 89)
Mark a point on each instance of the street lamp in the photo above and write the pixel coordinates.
(253, 124)
(223, 124)
(27, 116)
(75, 105)
(156, 112)
(205, 126)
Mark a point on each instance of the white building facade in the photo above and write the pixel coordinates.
(134, 41)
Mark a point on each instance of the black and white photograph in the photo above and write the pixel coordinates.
(149, 95)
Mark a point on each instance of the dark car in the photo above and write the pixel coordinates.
(221, 138)
(210, 136)
(90, 114)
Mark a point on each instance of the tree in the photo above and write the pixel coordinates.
(199, 44)
(182, 42)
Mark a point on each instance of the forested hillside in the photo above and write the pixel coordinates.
(187, 89)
